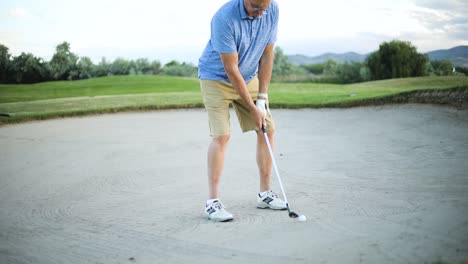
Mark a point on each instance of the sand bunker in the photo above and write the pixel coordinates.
(378, 185)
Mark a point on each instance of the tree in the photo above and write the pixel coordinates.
(29, 69)
(120, 66)
(102, 69)
(174, 68)
(461, 70)
(314, 68)
(441, 67)
(375, 66)
(281, 66)
(142, 66)
(396, 59)
(156, 67)
(364, 73)
(419, 62)
(329, 67)
(85, 68)
(348, 72)
(64, 63)
(5, 64)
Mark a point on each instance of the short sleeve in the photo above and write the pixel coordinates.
(274, 31)
(274, 34)
(222, 35)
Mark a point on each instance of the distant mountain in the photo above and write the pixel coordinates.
(338, 57)
(457, 55)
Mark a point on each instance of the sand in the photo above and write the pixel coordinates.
(377, 184)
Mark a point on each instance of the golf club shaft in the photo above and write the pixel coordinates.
(274, 166)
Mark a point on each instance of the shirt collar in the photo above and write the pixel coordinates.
(244, 14)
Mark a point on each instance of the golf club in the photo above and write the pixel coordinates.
(291, 213)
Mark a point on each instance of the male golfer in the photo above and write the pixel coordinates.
(235, 68)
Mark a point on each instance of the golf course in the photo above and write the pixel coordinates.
(138, 93)
(234, 132)
(113, 170)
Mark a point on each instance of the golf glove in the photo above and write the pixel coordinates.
(261, 105)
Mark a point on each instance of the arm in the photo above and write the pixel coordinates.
(265, 68)
(230, 62)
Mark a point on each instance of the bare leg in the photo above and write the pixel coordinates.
(216, 154)
(264, 160)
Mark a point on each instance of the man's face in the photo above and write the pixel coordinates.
(256, 8)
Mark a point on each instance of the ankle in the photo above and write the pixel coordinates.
(210, 201)
(263, 193)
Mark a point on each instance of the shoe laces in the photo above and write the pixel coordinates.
(272, 194)
(217, 205)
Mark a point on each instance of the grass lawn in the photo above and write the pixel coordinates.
(135, 93)
(292, 95)
(114, 85)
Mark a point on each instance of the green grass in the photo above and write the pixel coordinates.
(114, 85)
(328, 95)
(136, 93)
(441, 261)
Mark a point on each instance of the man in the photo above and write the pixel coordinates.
(235, 68)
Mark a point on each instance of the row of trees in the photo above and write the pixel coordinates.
(66, 65)
(394, 59)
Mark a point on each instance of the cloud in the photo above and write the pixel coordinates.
(442, 5)
(443, 17)
(19, 12)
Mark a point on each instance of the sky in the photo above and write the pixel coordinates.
(179, 30)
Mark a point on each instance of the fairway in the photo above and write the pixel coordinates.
(112, 85)
(313, 95)
(140, 93)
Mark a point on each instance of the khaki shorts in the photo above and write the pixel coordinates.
(217, 96)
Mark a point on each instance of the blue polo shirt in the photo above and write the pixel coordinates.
(232, 30)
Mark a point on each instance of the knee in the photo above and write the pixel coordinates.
(221, 140)
(270, 133)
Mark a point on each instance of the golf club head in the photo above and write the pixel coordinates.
(293, 215)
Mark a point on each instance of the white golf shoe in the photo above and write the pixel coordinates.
(270, 200)
(216, 212)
